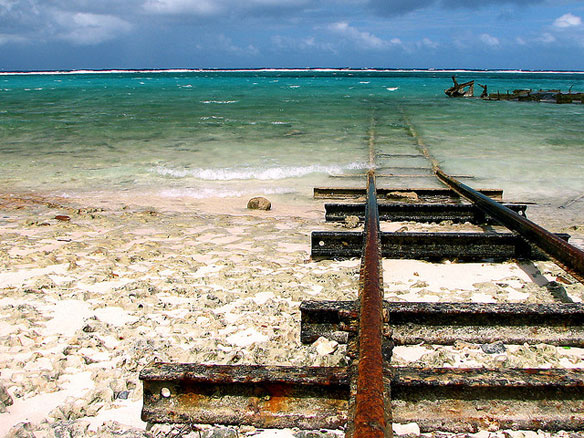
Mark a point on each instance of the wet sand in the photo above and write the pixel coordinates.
(93, 291)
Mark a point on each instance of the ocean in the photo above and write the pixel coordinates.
(218, 134)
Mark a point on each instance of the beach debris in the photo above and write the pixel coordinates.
(494, 348)
(520, 95)
(325, 346)
(351, 222)
(259, 203)
(407, 196)
(460, 90)
(549, 96)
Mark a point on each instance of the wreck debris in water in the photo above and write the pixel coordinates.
(550, 96)
(460, 90)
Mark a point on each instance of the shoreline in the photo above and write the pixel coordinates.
(285, 70)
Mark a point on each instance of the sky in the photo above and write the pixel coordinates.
(158, 34)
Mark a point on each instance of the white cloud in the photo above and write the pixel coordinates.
(568, 20)
(279, 3)
(226, 44)
(88, 29)
(363, 39)
(490, 40)
(7, 39)
(427, 42)
(195, 7)
(207, 8)
(546, 38)
(309, 43)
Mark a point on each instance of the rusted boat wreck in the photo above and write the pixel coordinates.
(550, 96)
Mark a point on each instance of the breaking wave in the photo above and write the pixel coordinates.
(247, 173)
(220, 102)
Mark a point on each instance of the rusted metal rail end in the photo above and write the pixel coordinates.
(372, 411)
(468, 400)
(446, 323)
(400, 211)
(566, 255)
(265, 397)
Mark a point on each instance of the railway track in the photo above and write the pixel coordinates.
(370, 394)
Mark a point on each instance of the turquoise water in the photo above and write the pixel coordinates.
(207, 134)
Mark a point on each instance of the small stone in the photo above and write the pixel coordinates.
(21, 430)
(247, 429)
(122, 395)
(403, 196)
(259, 203)
(5, 398)
(90, 328)
(224, 432)
(62, 218)
(325, 346)
(419, 284)
(494, 348)
(409, 429)
(351, 222)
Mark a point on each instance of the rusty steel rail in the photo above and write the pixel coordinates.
(567, 256)
(560, 251)
(372, 413)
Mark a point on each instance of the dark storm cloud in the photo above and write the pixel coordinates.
(76, 21)
(35, 34)
(42, 20)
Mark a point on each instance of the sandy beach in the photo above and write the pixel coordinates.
(92, 292)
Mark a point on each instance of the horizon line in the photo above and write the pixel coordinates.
(282, 69)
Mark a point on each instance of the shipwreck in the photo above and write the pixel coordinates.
(466, 90)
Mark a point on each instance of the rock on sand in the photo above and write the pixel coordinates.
(259, 203)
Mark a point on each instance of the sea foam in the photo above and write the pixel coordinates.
(249, 173)
(220, 102)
